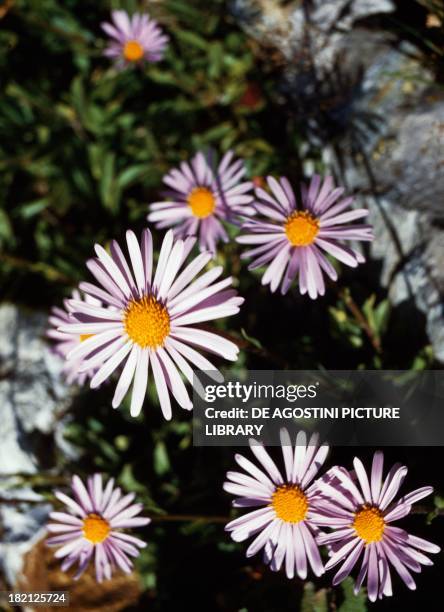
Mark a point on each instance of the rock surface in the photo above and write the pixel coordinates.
(366, 100)
(33, 395)
(32, 392)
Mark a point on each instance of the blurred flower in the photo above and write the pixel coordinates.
(152, 319)
(294, 239)
(134, 39)
(361, 512)
(284, 520)
(90, 527)
(64, 342)
(202, 197)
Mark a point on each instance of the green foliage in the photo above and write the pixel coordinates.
(352, 602)
(84, 147)
(312, 600)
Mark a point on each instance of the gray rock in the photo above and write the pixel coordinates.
(398, 165)
(32, 392)
(22, 526)
(305, 33)
(33, 395)
(367, 102)
(410, 165)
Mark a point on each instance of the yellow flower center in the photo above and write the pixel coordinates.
(84, 337)
(147, 322)
(202, 202)
(95, 528)
(290, 503)
(369, 524)
(301, 228)
(133, 51)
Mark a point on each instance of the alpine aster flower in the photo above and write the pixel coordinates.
(148, 320)
(293, 240)
(284, 521)
(134, 39)
(90, 529)
(64, 342)
(361, 512)
(201, 197)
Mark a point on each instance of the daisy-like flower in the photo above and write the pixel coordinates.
(134, 39)
(293, 240)
(64, 343)
(284, 521)
(201, 197)
(361, 510)
(148, 320)
(90, 529)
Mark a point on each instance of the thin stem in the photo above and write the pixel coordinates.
(360, 319)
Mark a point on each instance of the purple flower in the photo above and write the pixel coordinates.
(90, 529)
(149, 319)
(293, 240)
(134, 39)
(64, 343)
(361, 512)
(201, 197)
(283, 525)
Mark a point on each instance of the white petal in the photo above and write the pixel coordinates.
(109, 366)
(136, 259)
(177, 385)
(140, 383)
(126, 376)
(161, 386)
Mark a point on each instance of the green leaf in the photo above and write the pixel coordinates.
(352, 602)
(191, 38)
(109, 190)
(6, 232)
(129, 482)
(131, 175)
(188, 13)
(439, 502)
(312, 600)
(78, 95)
(95, 425)
(382, 315)
(161, 459)
(30, 209)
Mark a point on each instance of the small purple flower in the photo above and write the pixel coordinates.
(203, 196)
(148, 319)
(64, 343)
(361, 512)
(292, 240)
(283, 524)
(134, 39)
(91, 527)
